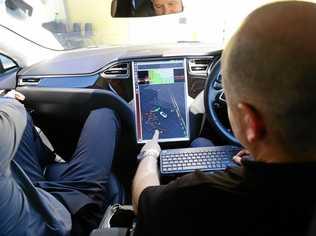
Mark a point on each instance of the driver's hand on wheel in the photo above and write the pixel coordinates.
(14, 94)
(240, 156)
(151, 148)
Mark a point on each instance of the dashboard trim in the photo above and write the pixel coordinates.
(127, 59)
(199, 74)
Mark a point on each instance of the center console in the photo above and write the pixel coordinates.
(118, 220)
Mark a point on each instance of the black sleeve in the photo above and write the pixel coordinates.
(162, 208)
(12, 125)
(158, 204)
(152, 207)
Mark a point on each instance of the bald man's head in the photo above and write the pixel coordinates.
(270, 63)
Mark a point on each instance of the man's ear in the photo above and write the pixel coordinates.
(252, 122)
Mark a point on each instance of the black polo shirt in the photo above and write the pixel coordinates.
(257, 199)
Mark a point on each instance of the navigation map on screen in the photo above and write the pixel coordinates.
(160, 100)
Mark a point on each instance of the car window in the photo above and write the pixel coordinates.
(6, 63)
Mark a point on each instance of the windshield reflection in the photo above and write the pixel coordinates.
(72, 24)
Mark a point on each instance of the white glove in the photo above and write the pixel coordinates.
(151, 148)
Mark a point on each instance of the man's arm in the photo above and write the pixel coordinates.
(147, 175)
(147, 172)
(12, 125)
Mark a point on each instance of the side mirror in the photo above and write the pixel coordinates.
(143, 8)
(6, 64)
(8, 71)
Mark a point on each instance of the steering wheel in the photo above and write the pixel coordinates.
(216, 106)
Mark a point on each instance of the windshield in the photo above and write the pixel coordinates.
(71, 24)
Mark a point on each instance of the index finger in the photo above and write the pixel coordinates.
(156, 136)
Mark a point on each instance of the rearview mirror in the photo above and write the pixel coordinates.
(143, 8)
(19, 4)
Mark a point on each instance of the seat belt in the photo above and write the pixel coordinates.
(48, 144)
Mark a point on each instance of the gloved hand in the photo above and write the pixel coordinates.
(151, 148)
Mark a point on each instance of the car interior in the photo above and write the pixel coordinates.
(61, 111)
(62, 90)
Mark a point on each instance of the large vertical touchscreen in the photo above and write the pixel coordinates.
(160, 92)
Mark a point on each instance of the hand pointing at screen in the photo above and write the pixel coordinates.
(147, 172)
(151, 148)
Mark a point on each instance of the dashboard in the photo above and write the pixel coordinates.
(119, 74)
(111, 68)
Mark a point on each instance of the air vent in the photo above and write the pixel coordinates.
(199, 66)
(119, 70)
(29, 81)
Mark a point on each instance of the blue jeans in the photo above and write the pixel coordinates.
(82, 184)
